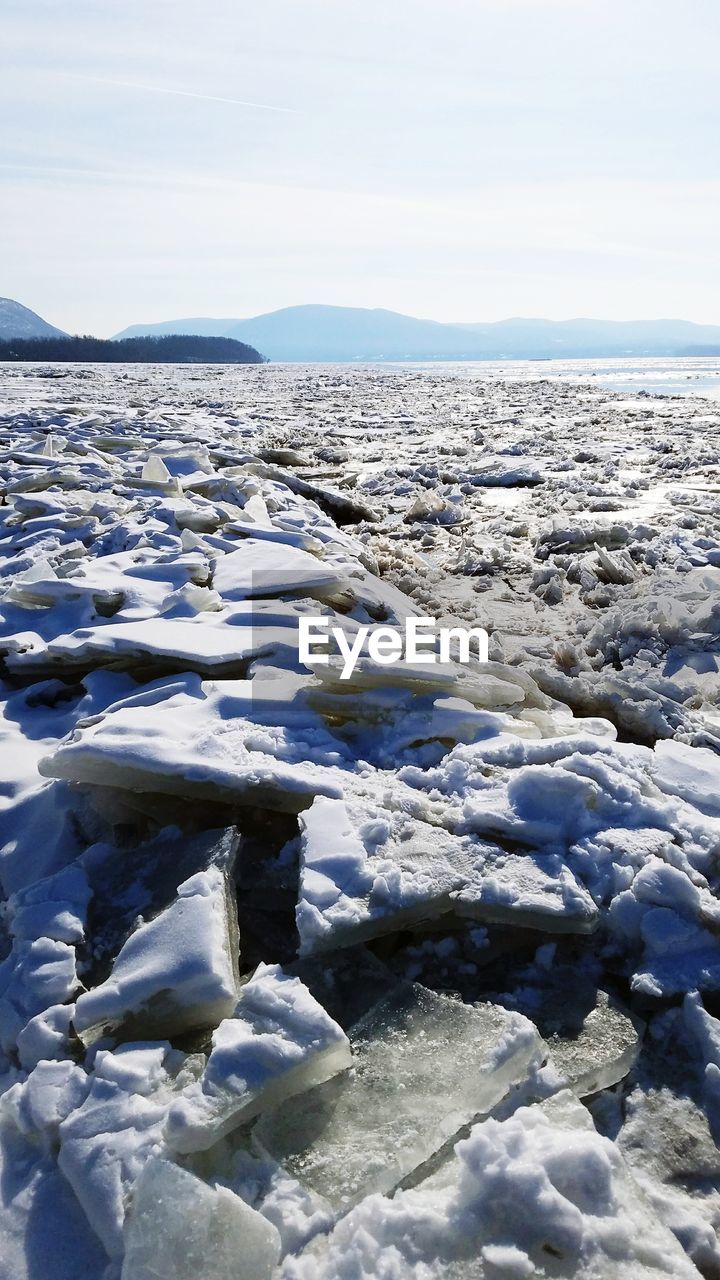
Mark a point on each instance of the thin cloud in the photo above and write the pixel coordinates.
(181, 93)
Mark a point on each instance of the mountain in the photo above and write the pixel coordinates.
(17, 321)
(356, 333)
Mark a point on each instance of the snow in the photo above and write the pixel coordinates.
(538, 1194)
(271, 940)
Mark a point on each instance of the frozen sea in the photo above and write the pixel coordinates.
(408, 976)
(671, 376)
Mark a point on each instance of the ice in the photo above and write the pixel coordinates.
(368, 870)
(423, 1066)
(262, 568)
(603, 1051)
(155, 471)
(35, 975)
(43, 1230)
(181, 1229)
(671, 1154)
(278, 1043)
(39, 1104)
(143, 880)
(189, 740)
(46, 1037)
(540, 1193)
(534, 836)
(178, 972)
(107, 1141)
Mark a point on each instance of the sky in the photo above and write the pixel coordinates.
(458, 160)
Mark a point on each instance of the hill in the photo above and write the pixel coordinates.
(178, 349)
(17, 321)
(356, 333)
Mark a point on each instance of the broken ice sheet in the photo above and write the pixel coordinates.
(154, 645)
(601, 1052)
(106, 1142)
(424, 1065)
(35, 975)
(262, 568)
(176, 973)
(279, 1042)
(198, 740)
(367, 869)
(179, 1228)
(537, 1194)
(141, 881)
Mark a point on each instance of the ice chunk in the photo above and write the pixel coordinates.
(424, 1066)
(143, 880)
(176, 973)
(693, 773)
(262, 568)
(51, 1092)
(34, 976)
(165, 644)
(602, 1052)
(155, 471)
(538, 1194)
(367, 870)
(106, 1142)
(46, 1036)
(669, 1149)
(279, 1042)
(181, 1229)
(196, 740)
(54, 907)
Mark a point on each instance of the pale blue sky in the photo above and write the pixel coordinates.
(457, 159)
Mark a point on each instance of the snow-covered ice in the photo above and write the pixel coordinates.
(295, 969)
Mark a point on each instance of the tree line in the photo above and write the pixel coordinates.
(175, 348)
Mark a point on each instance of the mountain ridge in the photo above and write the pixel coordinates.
(334, 333)
(18, 321)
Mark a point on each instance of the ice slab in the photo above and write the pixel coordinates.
(601, 1053)
(106, 1142)
(538, 1194)
(693, 773)
(264, 568)
(179, 1228)
(191, 738)
(594, 1042)
(424, 1065)
(367, 869)
(144, 879)
(196, 644)
(279, 1042)
(176, 973)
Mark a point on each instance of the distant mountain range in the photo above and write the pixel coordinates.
(356, 333)
(17, 321)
